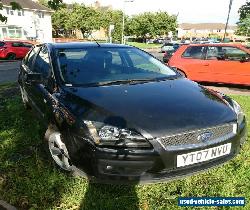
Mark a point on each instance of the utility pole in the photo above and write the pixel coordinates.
(123, 19)
(228, 15)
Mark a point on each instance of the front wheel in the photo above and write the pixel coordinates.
(58, 151)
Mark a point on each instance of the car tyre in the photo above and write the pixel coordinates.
(56, 149)
(11, 56)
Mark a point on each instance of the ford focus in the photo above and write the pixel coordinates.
(116, 114)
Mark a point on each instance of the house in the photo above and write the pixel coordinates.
(33, 22)
(199, 30)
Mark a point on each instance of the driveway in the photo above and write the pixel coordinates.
(9, 71)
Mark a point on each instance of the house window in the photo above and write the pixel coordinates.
(20, 13)
(40, 14)
(9, 11)
(15, 32)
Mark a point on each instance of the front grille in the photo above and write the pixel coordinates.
(218, 133)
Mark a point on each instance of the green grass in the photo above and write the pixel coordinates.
(29, 181)
(144, 45)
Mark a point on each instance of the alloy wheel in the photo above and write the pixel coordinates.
(59, 151)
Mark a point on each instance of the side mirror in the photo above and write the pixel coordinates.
(244, 59)
(34, 78)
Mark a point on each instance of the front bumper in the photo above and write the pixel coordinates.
(146, 166)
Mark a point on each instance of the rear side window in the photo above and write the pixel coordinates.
(27, 45)
(196, 52)
(2, 44)
(42, 64)
(226, 53)
(28, 60)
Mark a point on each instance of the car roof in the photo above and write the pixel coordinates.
(61, 45)
(11, 41)
(217, 44)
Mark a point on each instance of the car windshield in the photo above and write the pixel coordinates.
(99, 65)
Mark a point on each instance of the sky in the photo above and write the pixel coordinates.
(189, 11)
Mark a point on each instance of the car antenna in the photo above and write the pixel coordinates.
(95, 40)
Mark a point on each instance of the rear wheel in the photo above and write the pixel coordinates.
(11, 56)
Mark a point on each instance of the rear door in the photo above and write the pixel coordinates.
(229, 64)
(193, 63)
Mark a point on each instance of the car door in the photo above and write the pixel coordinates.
(18, 49)
(229, 64)
(25, 68)
(39, 94)
(193, 63)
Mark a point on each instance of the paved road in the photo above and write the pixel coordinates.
(8, 71)
(156, 53)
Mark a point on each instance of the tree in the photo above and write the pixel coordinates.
(83, 18)
(244, 26)
(244, 10)
(244, 23)
(148, 24)
(112, 17)
(60, 20)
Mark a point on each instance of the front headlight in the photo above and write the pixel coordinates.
(108, 135)
(238, 111)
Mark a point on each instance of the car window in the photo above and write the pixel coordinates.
(29, 45)
(2, 44)
(42, 63)
(17, 44)
(94, 65)
(28, 60)
(196, 52)
(141, 62)
(226, 53)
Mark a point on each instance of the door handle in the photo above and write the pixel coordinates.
(206, 64)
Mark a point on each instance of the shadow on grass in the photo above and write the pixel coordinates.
(29, 180)
(102, 196)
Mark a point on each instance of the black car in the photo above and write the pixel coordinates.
(116, 114)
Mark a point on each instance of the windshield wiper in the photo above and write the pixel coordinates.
(128, 81)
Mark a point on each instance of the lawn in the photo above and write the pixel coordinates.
(29, 180)
(144, 45)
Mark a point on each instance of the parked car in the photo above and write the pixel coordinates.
(169, 47)
(217, 63)
(12, 50)
(159, 41)
(116, 114)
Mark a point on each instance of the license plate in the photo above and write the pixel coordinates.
(203, 155)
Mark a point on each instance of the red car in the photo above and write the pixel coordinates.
(219, 63)
(12, 50)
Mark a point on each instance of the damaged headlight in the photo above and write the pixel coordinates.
(238, 111)
(108, 135)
